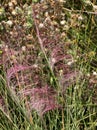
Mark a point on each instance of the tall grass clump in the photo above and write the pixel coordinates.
(48, 72)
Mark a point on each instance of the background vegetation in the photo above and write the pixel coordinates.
(48, 65)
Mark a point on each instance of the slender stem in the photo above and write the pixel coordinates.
(42, 48)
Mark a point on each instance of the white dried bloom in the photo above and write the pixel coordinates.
(6, 48)
(53, 60)
(57, 29)
(10, 4)
(23, 48)
(80, 18)
(88, 74)
(75, 87)
(41, 25)
(62, 22)
(35, 66)
(88, 2)
(61, 72)
(77, 57)
(61, 0)
(95, 7)
(14, 1)
(71, 62)
(94, 73)
(9, 22)
(29, 12)
(37, 16)
(14, 12)
(46, 14)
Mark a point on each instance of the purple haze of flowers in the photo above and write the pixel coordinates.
(16, 68)
(41, 99)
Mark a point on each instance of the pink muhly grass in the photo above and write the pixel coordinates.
(16, 68)
(58, 55)
(41, 99)
(19, 72)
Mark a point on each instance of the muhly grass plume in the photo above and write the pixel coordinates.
(57, 55)
(15, 69)
(47, 50)
(25, 73)
(41, 99)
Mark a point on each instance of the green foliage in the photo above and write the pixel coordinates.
(2, 14)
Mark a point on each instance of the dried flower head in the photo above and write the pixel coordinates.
(10, 23)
